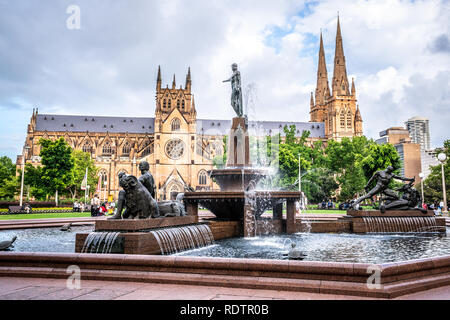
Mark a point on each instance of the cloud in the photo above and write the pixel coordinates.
(441, 44)
(109, 66)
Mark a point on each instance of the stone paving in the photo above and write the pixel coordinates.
(13, 288)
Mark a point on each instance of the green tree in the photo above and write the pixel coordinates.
(9, 188)
(57, 165)
(9, 184)
(32, 179)
(7, 168)
(377, 157)
(82, 160)
(355, 160)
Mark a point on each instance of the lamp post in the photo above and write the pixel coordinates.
(442, 157)
(421, 175)
(24, 151)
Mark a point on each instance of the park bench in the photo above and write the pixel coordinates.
(17, 209)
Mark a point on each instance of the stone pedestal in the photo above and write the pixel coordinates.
(238, 144)
(290, 217)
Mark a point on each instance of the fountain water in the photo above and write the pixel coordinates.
(100, 240)
(173, 240)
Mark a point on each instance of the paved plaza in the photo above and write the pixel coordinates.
(14, 288)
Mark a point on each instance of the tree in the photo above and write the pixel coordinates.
(9, 184)
(7, 168)
(82, 160)
(355, 160)
(58, 163)
(432, 186)
(9, 188)
(32, 178)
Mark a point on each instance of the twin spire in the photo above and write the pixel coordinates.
(339, 82)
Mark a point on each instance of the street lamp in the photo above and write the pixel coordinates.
(24, 151)
(442, 157)
(421, 175)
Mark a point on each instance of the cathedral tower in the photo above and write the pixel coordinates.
(338, 108)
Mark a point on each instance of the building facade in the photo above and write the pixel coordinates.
(409, 152)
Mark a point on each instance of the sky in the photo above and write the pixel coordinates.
(398, 52)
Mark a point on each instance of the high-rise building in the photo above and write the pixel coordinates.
(336, 108)
(419, 129)
(408, 151)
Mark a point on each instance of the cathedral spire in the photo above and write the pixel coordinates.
(322, 75)
(188, 80)
(340, 80)
(174, 83)
(353, 87)
(158, 80)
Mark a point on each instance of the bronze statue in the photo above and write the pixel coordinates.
(236, 91)
(408, 201)
(137, 200)
(146, 178)
(383, 178)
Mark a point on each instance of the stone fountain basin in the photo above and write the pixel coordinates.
(229, 205)
(238, 179)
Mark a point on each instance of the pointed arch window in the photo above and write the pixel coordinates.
(342, 118)
(178, 103)
(104, 178)
(176, 124)
(182, 104)
(202, 178)
(126, 149)
(107, 148)
(165, 103)
(170, 104)
(349, 119)
(87, 147)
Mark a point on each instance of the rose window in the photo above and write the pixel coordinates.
(175, 149)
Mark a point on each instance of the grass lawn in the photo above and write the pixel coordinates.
(45, 215)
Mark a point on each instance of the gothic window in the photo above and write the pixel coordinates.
(164, 103)
(202, 178)
(178, 103)
(126, 149)
(147, 150)
(176, 124)
(182, 104)
(342, 118)
(170, 103)
(107, 148)
(87, 147)
(349, 119)
(104, 178)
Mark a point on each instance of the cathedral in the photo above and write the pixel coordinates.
(180, 147)
(337, 108)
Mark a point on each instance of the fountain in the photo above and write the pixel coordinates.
(238, 199)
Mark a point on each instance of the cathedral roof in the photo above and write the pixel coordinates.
(258, 128)
(70, 123)
(53, 122)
